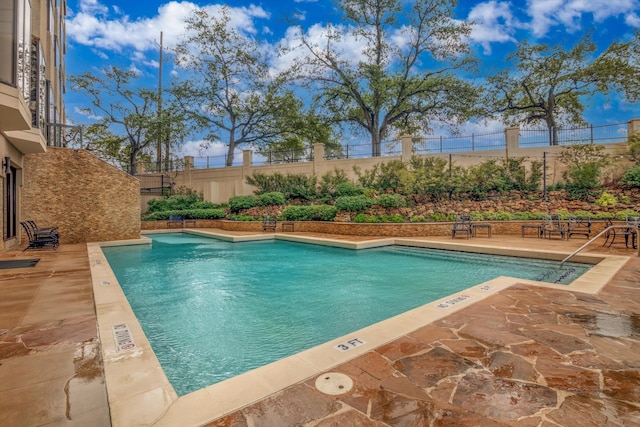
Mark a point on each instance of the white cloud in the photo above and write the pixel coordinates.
(494, 23)
(568, 13)
(203, 148)
(94, 26)
(87, 113)
(633, 20)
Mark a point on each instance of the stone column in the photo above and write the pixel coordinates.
(633, 127)
(318, 157)
(512, 140)
(407, 148)
(188, 167)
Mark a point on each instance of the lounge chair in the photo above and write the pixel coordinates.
(42, 239)
(461, 225)
(269, 223)
(580, 226)
(552, 225)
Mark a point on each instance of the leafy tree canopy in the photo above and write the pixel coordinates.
(402, 75)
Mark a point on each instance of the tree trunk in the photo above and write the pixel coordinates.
(230, 150)
(376, 144)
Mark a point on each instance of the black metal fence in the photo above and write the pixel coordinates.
(425, 145)
(590, 134)
(452, 144)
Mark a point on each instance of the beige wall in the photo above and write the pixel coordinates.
(219, 184)
(88, 199)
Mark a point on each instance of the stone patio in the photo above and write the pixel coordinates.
(525, 356)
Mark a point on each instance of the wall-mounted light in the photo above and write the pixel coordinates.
(6, 166)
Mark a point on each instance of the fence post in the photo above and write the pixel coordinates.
(247, 158)
(407, 148)
(633, 126)
(473, 142)
(512, 139)
(591, 128)
(317, 151)
(441, 143)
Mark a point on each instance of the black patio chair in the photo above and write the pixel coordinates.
(629, 232)
(462, 225)
(41, 240)
(551, 225)
(580, 226)
(42, 231)
(269, 223)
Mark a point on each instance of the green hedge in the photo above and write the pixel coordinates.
(271, 199)
(390, 201)
(353, 203)
(237, 203)
(188, 214)
(178, 203)
(309, 213)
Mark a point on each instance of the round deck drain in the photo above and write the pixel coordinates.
(334, 383)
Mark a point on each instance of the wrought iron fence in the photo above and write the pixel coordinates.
(581, 135)
(449, 144)
(210, 162)
(361, 151)
(282, 156)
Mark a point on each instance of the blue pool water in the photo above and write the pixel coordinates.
(213, 309)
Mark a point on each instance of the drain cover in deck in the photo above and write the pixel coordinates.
(334, 383)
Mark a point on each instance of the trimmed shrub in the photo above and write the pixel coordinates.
(348, 189)
(173, 203)
(234, 217)
(270, 199)
(606, 199)
(309, 213)
(623, 214)
(188, 214)
(237, 203)
(353, 203)
(631, 177)
(390, 201)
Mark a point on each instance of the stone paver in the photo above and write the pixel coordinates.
(527, 356)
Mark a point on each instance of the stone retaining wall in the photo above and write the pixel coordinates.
(513, 228)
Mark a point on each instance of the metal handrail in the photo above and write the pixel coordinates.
(611, 227)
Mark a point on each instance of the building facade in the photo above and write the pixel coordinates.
(32, 84)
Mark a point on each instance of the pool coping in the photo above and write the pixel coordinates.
(139, 392)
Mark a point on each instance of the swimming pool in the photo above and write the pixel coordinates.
(257, 302)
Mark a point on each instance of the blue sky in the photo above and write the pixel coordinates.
(126, 33)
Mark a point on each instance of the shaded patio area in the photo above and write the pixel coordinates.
(525, 356)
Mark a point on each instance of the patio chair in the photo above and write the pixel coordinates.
(461, 225)
(175, 220)
(42, 231)
(269, 223)
(580, 226)
(41, 240)
(552, 225)
(631, 231)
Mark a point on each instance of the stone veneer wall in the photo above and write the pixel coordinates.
(88, 199)
(513, 228)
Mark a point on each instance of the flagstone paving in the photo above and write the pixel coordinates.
(526, 356)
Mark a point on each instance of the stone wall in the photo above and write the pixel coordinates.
(509, 228)
(88, 199)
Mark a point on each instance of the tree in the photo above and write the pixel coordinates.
(388, 85)
(550, 85)
(128, 122)
(228, 89)
(299, 131)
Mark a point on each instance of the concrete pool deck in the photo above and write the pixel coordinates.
(521, 355)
